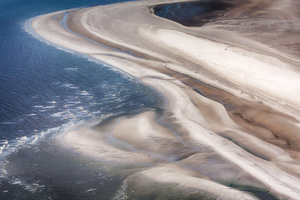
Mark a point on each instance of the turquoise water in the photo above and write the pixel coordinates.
(45, 91)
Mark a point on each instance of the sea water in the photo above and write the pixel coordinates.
(45, 91)
(195, 13)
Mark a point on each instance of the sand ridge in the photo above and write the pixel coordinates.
(223, 98)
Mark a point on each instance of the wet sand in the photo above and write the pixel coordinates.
(232, 113)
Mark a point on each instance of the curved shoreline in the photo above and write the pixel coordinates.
(197, 120)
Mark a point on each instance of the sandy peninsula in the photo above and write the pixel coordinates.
(232, 118)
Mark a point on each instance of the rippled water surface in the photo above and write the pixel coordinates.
(45, 91)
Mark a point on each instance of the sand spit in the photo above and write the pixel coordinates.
(233, 111)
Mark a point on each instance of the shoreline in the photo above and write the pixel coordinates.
(196, 96)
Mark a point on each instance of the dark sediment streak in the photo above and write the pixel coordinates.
(191, 118)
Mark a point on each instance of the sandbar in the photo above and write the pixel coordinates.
(231, 97)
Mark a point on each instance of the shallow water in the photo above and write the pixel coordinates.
(192, 13)
(45, 91)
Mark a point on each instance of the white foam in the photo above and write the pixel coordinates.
(70, 85)
(8, 123)
(33, 139)
(1, 148)
(3, 141)
(58, 114)
(22, 140)
(90, 190)
(32, 187)
(38, 106)
(84, 93)
(49, 107)
(32, 114)
(71, 69)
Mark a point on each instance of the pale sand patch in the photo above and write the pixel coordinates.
(261, 73)
(172, 174)
(267, 173)
(146, 136)
(198, 120)
(92, 143)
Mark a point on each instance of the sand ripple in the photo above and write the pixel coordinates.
(231, 122)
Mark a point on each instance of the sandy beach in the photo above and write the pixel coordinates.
(232, 110)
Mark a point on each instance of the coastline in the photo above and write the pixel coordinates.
(198, 122)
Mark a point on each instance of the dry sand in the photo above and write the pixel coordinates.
(233, 102)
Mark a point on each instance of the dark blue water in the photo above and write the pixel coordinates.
(44, 91)
(195, 13)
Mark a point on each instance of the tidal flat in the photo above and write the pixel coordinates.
(229, 75)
